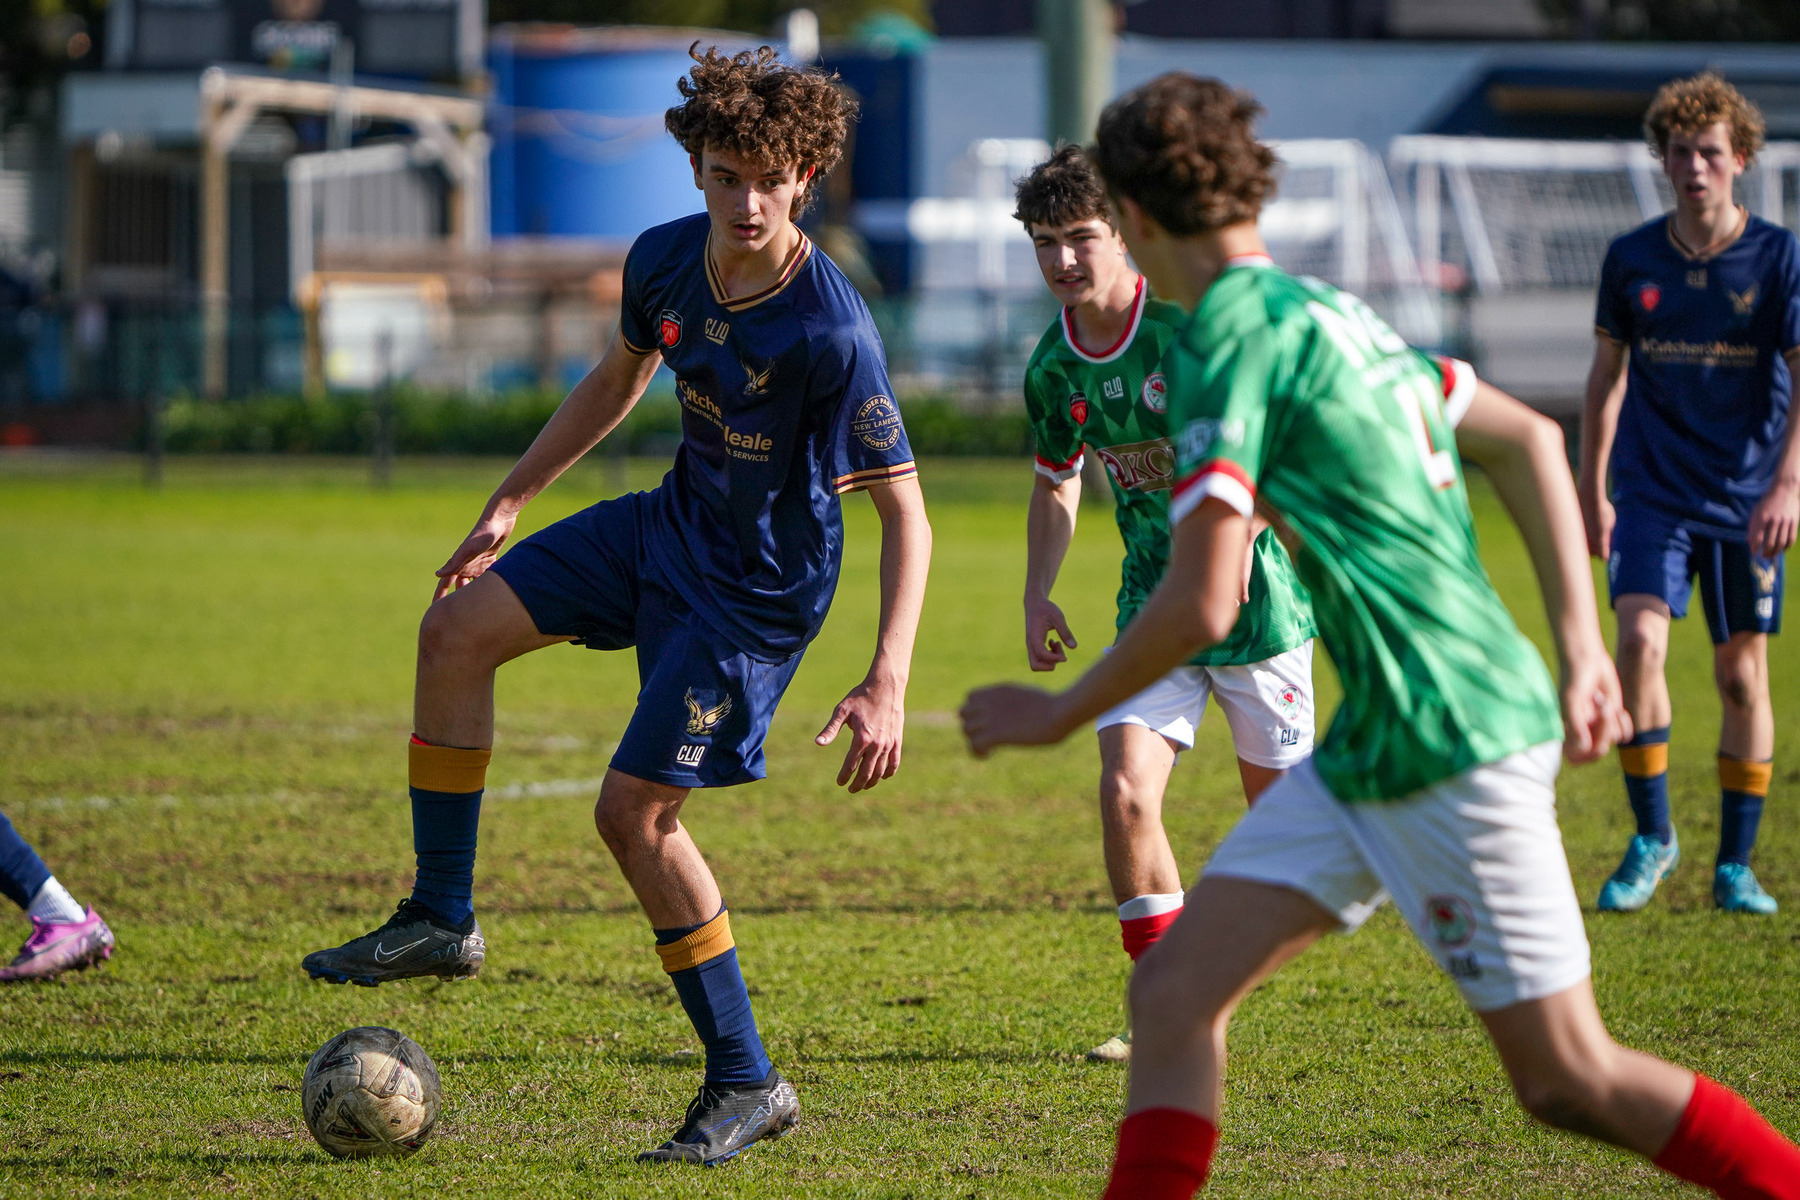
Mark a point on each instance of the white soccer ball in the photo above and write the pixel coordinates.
(371, 1091)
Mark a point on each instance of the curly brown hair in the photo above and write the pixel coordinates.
(1180, 146)
(1688, 106)
(1061, 190)
(753, 106)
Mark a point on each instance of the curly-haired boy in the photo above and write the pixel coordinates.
(719, 578)
(1095, 383)
(1435, 783)
(1688, 410)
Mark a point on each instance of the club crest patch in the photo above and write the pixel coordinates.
(1288, 701)
(671, 327)
(1649, 296)
(1452, 920)
(1078, 408)
(877, 423)
(701, 719)
(1156, 393)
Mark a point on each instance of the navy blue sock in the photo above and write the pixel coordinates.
(446, 789)
(22, 872)
(1646, 762)
(702, 963)
(1743, 785)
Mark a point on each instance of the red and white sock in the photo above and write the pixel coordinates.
(1164, 1154)
(1142, 920)
(1724, 1145)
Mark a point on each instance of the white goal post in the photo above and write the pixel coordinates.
(1529, 215)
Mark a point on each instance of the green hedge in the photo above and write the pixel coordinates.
(438, 424)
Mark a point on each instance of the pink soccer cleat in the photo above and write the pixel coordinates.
(56, 947)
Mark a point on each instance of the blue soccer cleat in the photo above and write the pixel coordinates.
(1647, 862)
(1735, 890)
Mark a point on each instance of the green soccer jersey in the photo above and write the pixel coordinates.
(1114, 401)
(1294, 398)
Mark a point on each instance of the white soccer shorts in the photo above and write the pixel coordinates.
(1475, 864)
(1269, 705)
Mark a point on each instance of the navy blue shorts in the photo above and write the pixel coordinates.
(703, 706)
(1653, 555)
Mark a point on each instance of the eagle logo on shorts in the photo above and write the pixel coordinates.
(1452, 920)
(1765, 578)
(702, 720)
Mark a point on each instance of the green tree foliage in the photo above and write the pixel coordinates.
(836, 17)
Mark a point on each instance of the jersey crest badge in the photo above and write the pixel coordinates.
(702, 720)
(1288, 701)
(1078, 408)
(1649, 296)
(756, 383)
(1452, 921)
(1156, 393)
(671, 327)
(1742, 302)
(877, 423)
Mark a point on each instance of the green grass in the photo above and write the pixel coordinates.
(203, 702)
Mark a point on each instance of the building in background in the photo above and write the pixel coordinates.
(1455, 161)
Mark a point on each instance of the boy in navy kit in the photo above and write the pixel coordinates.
(1704, 306)
(719, 577)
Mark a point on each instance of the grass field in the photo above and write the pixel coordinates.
(203, 705)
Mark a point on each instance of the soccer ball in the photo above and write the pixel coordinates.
(371, 1091)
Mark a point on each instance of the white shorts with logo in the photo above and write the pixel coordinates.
(1269, 705)
(1475, 864)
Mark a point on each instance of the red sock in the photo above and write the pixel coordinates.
(1140, 933)
(1724, 1145)
(1164, 1154)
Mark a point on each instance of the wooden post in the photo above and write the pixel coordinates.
(215, 249)
(222, 122)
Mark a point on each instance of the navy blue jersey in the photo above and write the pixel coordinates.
(1706, 396)
(785, 404)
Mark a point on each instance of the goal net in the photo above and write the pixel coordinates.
(1514, 215)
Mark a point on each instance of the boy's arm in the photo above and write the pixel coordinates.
(875, 709)
(1049, 527)
(1194, 606)
(593, 408)
(1777, 515)
(1524, 454)
(1599, 422)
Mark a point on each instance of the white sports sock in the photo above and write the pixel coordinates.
(1151, 904)
(54, 904)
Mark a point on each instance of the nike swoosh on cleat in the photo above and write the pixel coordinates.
(388, 956)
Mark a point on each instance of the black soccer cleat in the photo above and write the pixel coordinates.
(414, 942)
(726, 1119)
